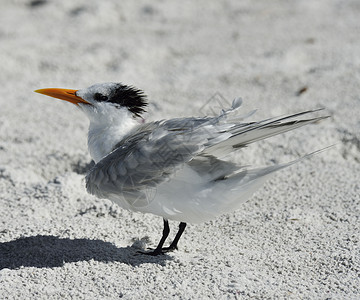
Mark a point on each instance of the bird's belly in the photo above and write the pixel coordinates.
(192, 199)
(189, 198)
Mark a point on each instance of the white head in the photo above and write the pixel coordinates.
(102, 100)
(112, 108)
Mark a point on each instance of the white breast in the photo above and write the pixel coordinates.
(104, 134)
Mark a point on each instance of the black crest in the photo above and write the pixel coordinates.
(126, 96)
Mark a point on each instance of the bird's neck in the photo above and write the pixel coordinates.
(103, 136)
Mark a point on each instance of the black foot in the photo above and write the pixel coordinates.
(151, 253)
(169, 249)
(173, 246)
(156, 252)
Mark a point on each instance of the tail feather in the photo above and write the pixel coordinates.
(252, 132)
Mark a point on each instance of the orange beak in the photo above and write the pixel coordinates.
(63, 94)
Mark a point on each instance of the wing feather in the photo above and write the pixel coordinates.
(243, 135)
(143, 160)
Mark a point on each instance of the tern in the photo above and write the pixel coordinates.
(176, 168)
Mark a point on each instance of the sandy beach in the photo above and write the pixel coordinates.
(296, 238)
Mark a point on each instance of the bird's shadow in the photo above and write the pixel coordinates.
(46, 251)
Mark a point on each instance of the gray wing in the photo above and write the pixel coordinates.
(142, 160)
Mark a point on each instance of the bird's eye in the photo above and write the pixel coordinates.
(100, 97)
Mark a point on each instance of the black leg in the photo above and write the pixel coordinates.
(173, 245)
(159, 247)
(166, 232)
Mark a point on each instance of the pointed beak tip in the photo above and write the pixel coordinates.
(63, 94)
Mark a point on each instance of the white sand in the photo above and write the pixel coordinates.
(297, 237)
